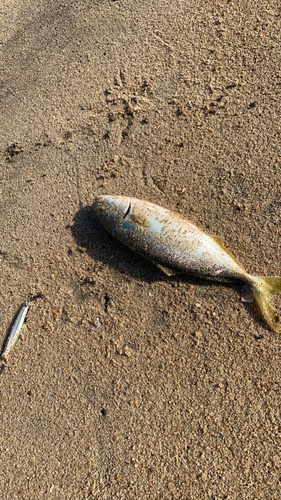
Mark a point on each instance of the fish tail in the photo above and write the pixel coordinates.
(263, 288)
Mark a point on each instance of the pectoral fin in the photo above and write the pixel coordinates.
(167, 270)
(220, 243)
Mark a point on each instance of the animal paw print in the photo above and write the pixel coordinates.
(127, 101)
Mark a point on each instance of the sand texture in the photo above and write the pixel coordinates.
(176, 395)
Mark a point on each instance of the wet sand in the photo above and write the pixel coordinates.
(125, 383)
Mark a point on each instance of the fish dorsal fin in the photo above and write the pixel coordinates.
(218, 240)
(220, 243)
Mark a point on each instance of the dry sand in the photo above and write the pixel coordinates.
(177, 394)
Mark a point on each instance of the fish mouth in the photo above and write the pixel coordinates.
(99, 199)
(118, 204)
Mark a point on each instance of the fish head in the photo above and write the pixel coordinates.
(111, 208)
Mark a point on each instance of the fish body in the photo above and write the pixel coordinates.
(16, 329)
(176, 245)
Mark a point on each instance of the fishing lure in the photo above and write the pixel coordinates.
(16, 329)
(176, 245)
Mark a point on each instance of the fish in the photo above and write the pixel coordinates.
(16, 329)
(176, 245)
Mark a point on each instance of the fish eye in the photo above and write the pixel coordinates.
(127, 211)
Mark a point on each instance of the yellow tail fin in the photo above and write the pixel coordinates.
(263, 288)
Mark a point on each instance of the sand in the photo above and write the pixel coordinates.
(127, 384)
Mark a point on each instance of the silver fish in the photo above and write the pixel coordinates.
(176, 245)
(16, 329)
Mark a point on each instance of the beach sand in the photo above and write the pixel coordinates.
(125, 383)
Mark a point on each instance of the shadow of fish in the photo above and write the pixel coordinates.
(176, 245)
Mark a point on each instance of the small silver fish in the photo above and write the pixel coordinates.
(176, 245)
(16, 329)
